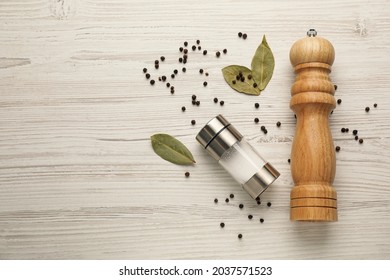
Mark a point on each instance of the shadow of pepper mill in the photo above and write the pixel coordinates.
(313, 162)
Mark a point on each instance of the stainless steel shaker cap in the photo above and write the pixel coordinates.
(217, 136)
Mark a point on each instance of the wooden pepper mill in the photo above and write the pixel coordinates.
(313, 163)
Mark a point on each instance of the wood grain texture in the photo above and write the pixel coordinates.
(79, 179)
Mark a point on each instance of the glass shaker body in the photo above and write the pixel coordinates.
(224, 143)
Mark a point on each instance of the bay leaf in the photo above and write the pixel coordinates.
(171, 149)
(263, 64)
(230, 72)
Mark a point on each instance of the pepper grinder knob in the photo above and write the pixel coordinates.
(313, 162)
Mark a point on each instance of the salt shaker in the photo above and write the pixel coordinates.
(226, 145)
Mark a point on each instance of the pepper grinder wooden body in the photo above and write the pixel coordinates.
(313, 163)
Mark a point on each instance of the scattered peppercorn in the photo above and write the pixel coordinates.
(261, 220)
(217, 53)
(240, 236)
(181, 49)
(215, 100)
(249, 77)
(146, 70)
(185, 51)
(175, 71)
(289, 160)
(361, 141)
(254, 85)
(356, 137)
(204, 52)
(231, 195)
(224, 51)
(338, 101)
(221, 102)
(187, 174)
(278, 124)
(269, 204)
(250, 217)
(205, 84)
(256, 120)
(156, 62)
(193, 102)
(184, 69)
(183, 108)
(168, 84)
(172, 91)
(262, 128)
(244, 36)
(198, 41)
(152, 82)
(241, 205)
(185, 56)
(367, 109)
(159, 78)
(375, 105)
(265, 131)
(258, 202)
(234, 82)
(343, 130)
(240, 34)
(180, 59)
(201, 71)
(186, 44)
(335, 87)
(193, 97)
(222, 225)
(347, 130)
(257, 105)
(162, 58)
(242, 79)
(227, 200)
(215, 200)
(184, 61)
(207, 74)
(199, 48)
(193, 122)
(172, 87)
(337, 148)
(173, 76)
(197, 103)
(193, 47)
(156, 66)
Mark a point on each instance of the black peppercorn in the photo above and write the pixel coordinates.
(343, 130)
(183, 108)
(242, 78)
(224, 51)
(172, 91)
(197, 103)
(240, 34)
(249, 76)
(164, 78)
(187, 174)
(173, 76)
(152, 82)
(250, 217)
(335, 87)
(241, 205)
(227, 200)
(181, 49)
(147, 75)
(354, 132)
(204, 52)
(201, 71)
(217, 53)
(215, 200)
(375, 105)
(193, 122)
(184, 69)
(258, 202)
(185, 51)
(347, 130)
(198, 41)
(193, 102)
(256, 120)
(257, 105)
(356, 137)
(261, 220)
(162, 58)
(215, 100)
(193, 47)
(231, 195)
(175, 71)
(180, 59)
(172, 87)
(262, 128)
(184, 61)
(361, 141)
(146, 70)
(265, 131)
(156, 62)
(207, 74)
(221, 102)
(338, 101)
(234, 82)
(240, 236)
(367, 109)
(185, 56)
(278, 124)
(269, 204)
(222, 225)
(156, 66)
(337, 148)
(168, 84)
(289, 160)
(254, 85)
(244, 36)
(205, 84)
(193, 97)
(199, 48)
(186, 44)
(159, 78)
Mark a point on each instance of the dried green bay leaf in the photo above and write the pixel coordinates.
(263, 64)
(171, 149)
(230, 74)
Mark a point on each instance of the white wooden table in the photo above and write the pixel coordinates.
(78, 177)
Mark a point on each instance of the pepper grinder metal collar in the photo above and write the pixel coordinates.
(313, 163)
(226, 145)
